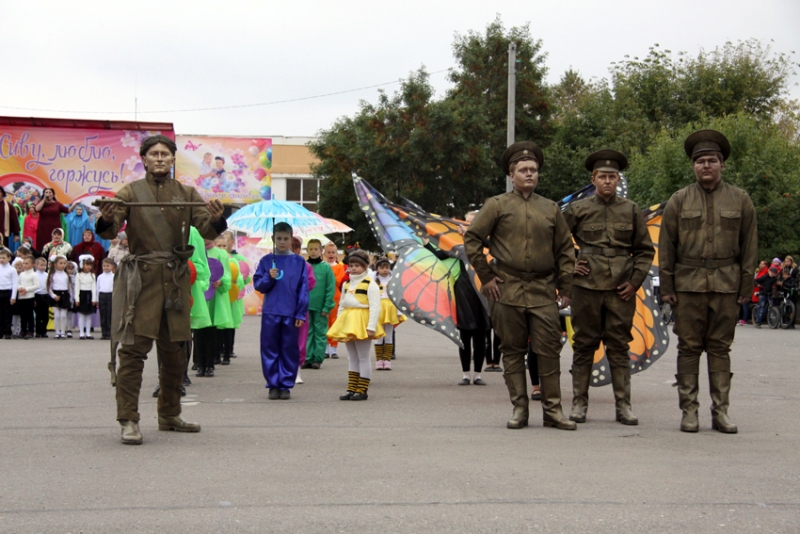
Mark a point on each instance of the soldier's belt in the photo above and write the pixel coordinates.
(522, 275)
(607, 252)
(705, 264)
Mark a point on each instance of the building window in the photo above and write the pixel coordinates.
(304, 191)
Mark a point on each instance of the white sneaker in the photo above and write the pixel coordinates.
(298, 380)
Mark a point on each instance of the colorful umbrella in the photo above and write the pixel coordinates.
(340, 227)
(267, 243)
(257, 219)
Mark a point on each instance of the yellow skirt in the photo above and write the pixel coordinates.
(351, 325)
(389, 314)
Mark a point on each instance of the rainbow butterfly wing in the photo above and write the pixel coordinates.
(422, 286)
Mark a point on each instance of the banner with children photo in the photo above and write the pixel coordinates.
(235, 170)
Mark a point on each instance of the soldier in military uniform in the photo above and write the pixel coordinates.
(151, 288)
(533, 256)
(707, 256)
(615, 256)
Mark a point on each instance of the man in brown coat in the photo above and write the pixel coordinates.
(151, 288)
(707, 257)
(615, 256)
(533, 256)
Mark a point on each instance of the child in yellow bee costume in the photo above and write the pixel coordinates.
(389, 317)
(357, 324)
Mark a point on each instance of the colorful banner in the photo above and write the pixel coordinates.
(79, 164)
(232, 169)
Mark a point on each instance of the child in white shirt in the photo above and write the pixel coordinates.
(105, 288)
(85, 295)
(28, 284)
(8, 292)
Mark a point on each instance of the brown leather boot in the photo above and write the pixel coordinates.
(518, 392)
(687, 400)
(580, 392)
(720, 386)
(621, 382)
(130, 432)
(176, 423)
(552, 415)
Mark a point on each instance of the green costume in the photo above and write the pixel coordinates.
(320, 301)
(219, 307)
(200, 317)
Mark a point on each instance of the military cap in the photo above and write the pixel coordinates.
(706, 141)
(606, 160)
(519, 151)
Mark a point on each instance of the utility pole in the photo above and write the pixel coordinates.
(512, 100)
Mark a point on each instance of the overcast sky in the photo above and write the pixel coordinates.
(82, 59)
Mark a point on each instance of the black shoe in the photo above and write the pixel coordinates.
(359, 396)
(89, 337)
(285, 394)
(201, 372)
(335, 356)
(194, 367)
(479, 382)
(186, 380)
(347, 396)
(69, 335)
(183, 391)
(327, 355)
(306, 365)
(217, 361)
(315, 365)
(464, 382)
(233, 355)
(157, 391)
(274, 394)
(209, 372)
(226, 361)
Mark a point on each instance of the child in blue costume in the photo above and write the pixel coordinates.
(281, 278)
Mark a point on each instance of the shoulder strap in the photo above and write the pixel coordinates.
(153, 216)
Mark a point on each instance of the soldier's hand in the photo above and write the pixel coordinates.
(672, 300)
(273, 273)
(215, 208)
(564, 302)
(108, 209)
(582, 268)
(626, 291)
(492, 288)
(742, 300)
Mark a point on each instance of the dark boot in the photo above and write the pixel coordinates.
(687, 400)
(580, 392)
(552, 414)
(720, 385)
(518, 392)
(621, 382)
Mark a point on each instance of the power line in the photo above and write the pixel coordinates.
(238, 106)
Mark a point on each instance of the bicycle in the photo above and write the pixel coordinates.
(782, 314)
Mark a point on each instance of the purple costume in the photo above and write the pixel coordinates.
(285, 300)
(302, 338)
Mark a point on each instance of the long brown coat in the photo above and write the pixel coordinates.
(157, 280)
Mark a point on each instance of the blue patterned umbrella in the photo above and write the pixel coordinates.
(256, 220)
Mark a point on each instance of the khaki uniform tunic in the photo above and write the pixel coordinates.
(708, 250)
(616, 245)
(151, 321)
(534, 255)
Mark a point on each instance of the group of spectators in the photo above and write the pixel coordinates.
(773, 280)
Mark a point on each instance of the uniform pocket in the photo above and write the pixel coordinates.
(691, 220)
(623, 231)
(591, 233)
(730, 219)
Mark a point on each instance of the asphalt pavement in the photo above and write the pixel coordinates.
(421, 455)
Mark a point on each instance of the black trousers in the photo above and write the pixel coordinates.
(474, 345)
(5, 312)
(533, 366)
(25, 308)
(105, 313)
(206, 347)
(42, 309)
(492, 348)
(225, 342)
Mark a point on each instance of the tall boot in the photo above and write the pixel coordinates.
(580, 392)
(621, 382)
(687, 400)
(720, 385)
(552, 414)
(517, 391)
